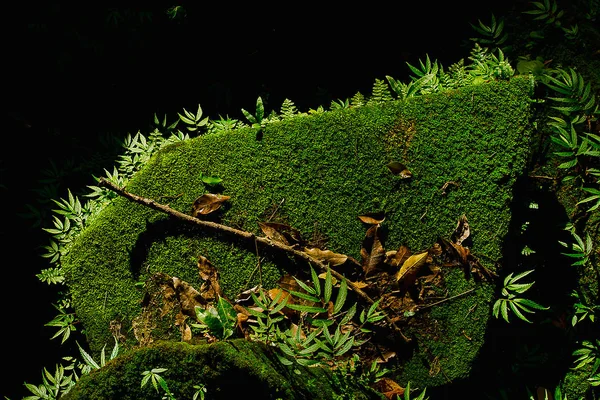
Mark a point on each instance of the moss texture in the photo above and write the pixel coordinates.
(228, 370)
(322, 171)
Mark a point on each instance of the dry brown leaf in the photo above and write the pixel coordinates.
(326, 256)
(462, 231)
(210, 289)
(396, 258)
(208, 203)
(385, 357)
(360, 285)
(287, 282)
(273, 293)
(372, 218)
(186, 332)
(372, 251)
(436, 249)
(389, 388)
(411, 266)
(281, 233)
(187, 296)
(399, 169)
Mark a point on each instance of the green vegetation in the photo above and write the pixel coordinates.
(406, 162)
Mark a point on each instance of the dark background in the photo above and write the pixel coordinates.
(73, 75)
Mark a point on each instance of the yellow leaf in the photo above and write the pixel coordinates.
(411, 265)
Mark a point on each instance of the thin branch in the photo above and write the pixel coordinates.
(443, 301)
(245, 235)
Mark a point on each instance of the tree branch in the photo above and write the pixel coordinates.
(245, 235)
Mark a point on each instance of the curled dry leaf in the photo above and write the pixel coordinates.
(187, 296)
(399, 169)
(210, 289)
(281, 233)
(460, 256)
(372, 218)
(372, 251)
(389, 388)
(462, 230)
(396, 258)
(326, 256)
(208, 203)
(323, 276)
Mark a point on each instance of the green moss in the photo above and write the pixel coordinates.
(227, 369)
(322, 171)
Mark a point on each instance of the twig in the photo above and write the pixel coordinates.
(245, 235)
(276, 208)
(448, 299)
(258, 263)
(542, 177)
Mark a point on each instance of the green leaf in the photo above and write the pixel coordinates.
(347, 346)
(316, 282)
(328, 286)
(309, 309)
(210, 180)
(341, 297)
(305, 296)
(518, 313)
(349, 315)
(87, 358)
(531, 303)
(504, 310)
(308, 288)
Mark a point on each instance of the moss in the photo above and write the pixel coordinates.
(228, 369)
(322, 171)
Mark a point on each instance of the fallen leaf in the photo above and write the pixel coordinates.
(411, 266)
(281, 233)
(389, 388)
(399, 169)
(462, 230)
(273, 293)
(372, 218)
(326, 256)
(385, 357)
(210, 289)
(372, 251)
(246, 295)
(187, 296)
(360, 285)
(396, 258)
(208, 203)
(324, 276)
(436, 249)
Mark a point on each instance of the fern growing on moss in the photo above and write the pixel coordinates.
(358, 100)
(380, 93)
(288, 109)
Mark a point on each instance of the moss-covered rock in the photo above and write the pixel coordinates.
(465, 149)
(228, 369)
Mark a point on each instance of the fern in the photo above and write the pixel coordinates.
(51, 275)
(380, 93)
(547, 11)
(426, 75)
(575, 96)
(492, 35)
(340, 104)
(288, 109)
(358, 100)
